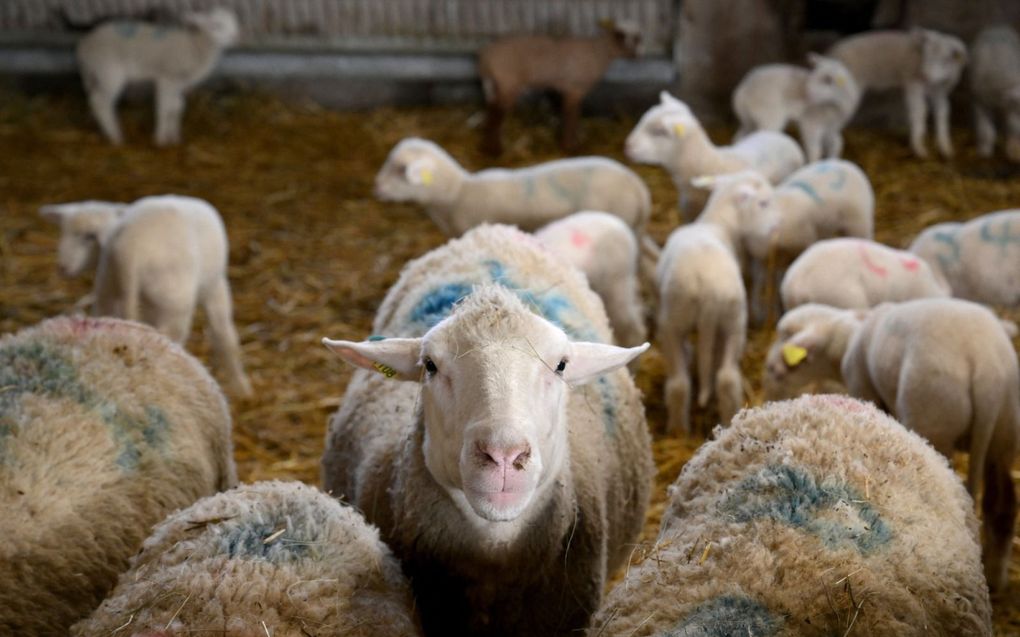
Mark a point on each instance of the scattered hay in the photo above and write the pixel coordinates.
(312, 253)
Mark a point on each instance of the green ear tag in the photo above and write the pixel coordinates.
(376, 337)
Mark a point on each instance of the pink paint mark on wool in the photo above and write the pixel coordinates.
(869, 264)
(843, 402)
(579, 239)
(910, 265)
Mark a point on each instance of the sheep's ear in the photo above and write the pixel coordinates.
(421, 171)
(668, 100)
(55, 213)
(391, 357)
(588, 361)
(677, 126)
(704, 182)
(815, 59)
(1011, 328)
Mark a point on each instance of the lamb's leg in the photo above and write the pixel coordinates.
(169, 111)
(103, 100)
(729, 384)
(811, 134)
(940, 106)
(499, 101)
(623, 305)
(917, 115)
(832, 144)
(106, 302)
(571, 114)
(219, 313)
(678, 381)
(999, 508)
(984, 130)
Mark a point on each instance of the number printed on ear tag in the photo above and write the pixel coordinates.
(385, 370)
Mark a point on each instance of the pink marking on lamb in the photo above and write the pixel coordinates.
(910, 265)
(869, 264)
(579, 239)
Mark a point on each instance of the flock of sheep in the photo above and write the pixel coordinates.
(493, 443)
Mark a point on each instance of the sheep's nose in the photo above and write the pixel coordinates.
(515, 457)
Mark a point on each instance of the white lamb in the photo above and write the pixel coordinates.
(173, 58)
(669, 135)
(823, 200)
(604, 248)
(156, 259)
(421, 172)
(979, 259)
(925, 64)
(513, 475)
(701, 291)
(810, 518)
(995, 85)
(270, 558)
(946, 369)
(821, 100)
(858, 274)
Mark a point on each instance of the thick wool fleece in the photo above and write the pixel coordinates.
(549, 580)
(805, 517)
(105, 427)
(278, 558)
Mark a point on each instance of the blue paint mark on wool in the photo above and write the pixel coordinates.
(260, 539)
(947, 261)
(126, 29)
(37, 369)
(834, 513)
(807, 188)
(728, 616)
(838, 172)
(437, 304)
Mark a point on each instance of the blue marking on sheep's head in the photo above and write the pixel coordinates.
(728, 616)
(261, 540)
(834, 513)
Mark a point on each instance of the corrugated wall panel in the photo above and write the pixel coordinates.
(366, 24)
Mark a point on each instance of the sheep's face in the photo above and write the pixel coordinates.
(797, 359)
(830, 82)
(942, 58)
(415, 171)
(495, 383)
(83, 228)
(219, 24)
(627, 37)
(659, 132)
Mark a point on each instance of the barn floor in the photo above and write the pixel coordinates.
(312, 253)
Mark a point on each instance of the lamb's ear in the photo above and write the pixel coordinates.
(588, 361)
(814, 59)
(55, 213)
(677, 126)
(391, 357)
(704, 182)
(421, 171)
(668, 100)
(1011, 328)
(800, 347)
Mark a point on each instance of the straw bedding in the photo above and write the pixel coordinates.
(312, 253)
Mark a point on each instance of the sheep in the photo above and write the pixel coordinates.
(174, 58)
(823, 200)
(820, 100)
(669, 135)
(504, 529)
(105, 427)
(857, 273)
(995, 85)
(926, 64)
(701, 291)
(946, 369)
(604, 248)
(278, 558)
(572, 66)
(979, 259)
(420, 171)
(155, 259)
(814, 517)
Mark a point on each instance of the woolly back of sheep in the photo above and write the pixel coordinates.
(105, 427)
(270, 557)
(809, 517)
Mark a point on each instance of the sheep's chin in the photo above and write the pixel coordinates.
(499, 506)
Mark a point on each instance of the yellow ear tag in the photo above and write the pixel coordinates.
(794, 354)
(426, 176)
(678, 129)
(841, 81)
(385, 370)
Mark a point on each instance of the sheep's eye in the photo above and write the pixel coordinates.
(658, 131)
(430, 367)
(562, 366)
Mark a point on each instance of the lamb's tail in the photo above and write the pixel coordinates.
(130, 289)
(987, 400)
(708, 328)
